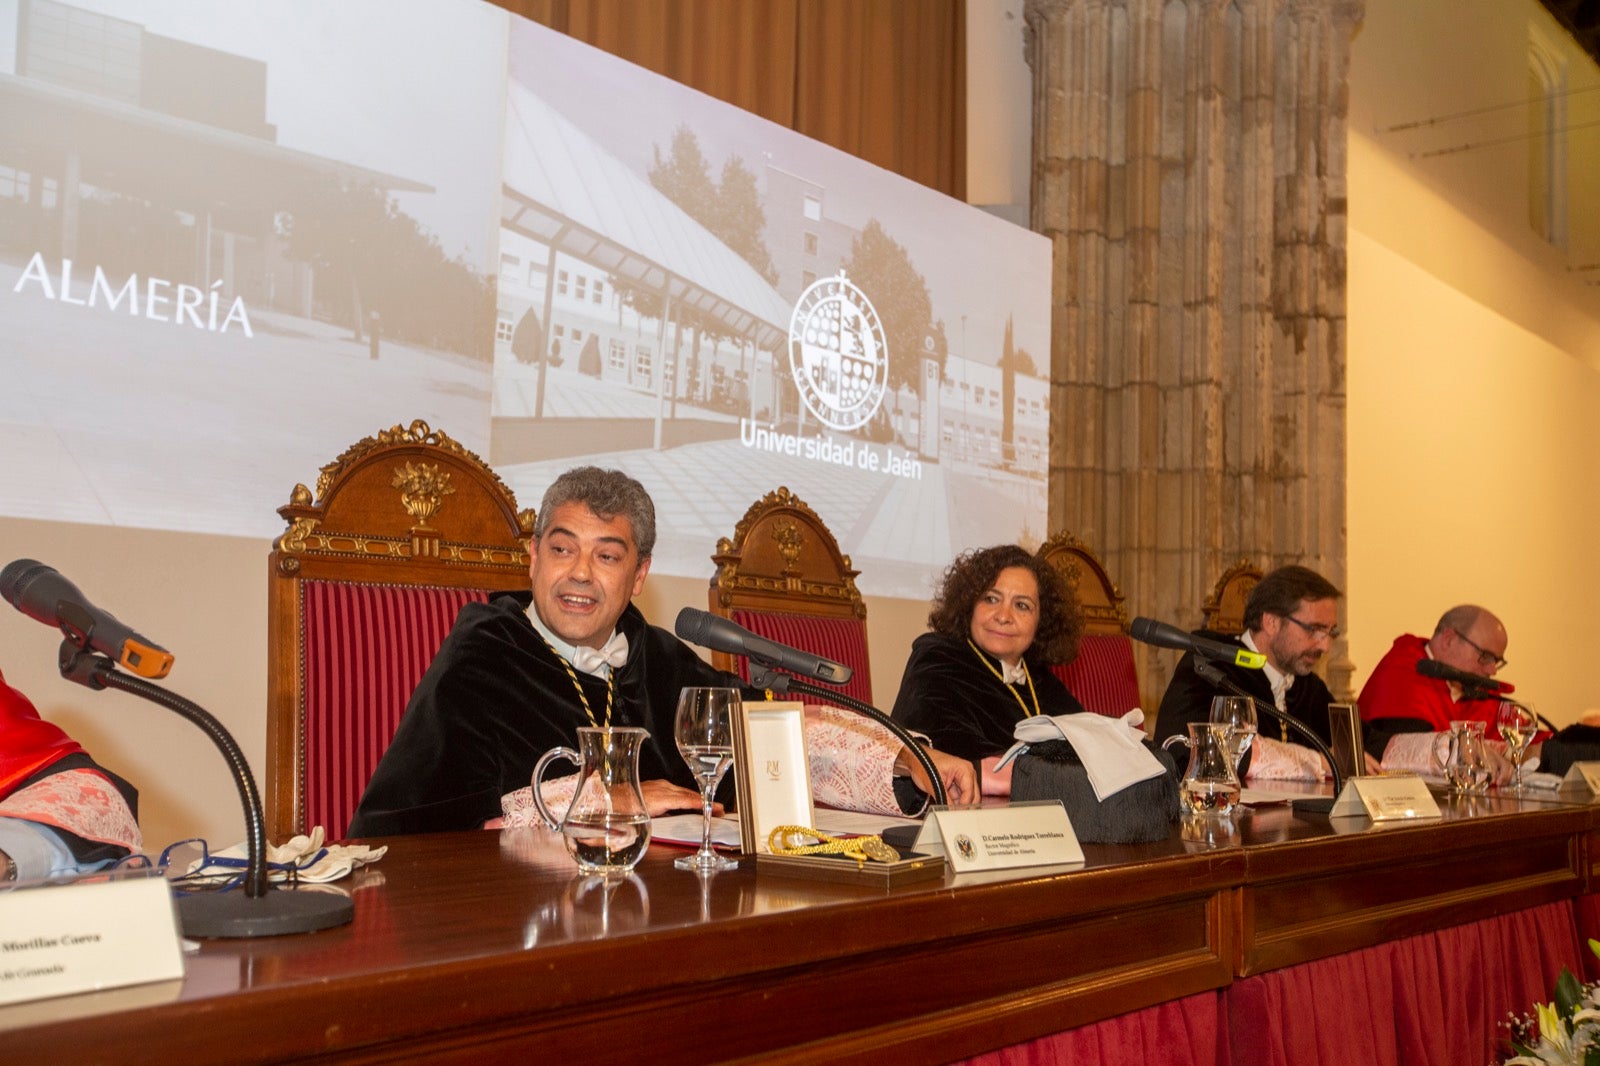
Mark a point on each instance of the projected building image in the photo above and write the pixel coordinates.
(720, 306)
(175, 258)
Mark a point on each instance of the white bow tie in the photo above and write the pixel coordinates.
(613, 654)
(1014, 673)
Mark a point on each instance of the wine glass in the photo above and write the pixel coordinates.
(704, 731)
(1239, 715)
(1517, 726)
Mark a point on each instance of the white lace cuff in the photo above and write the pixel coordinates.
(1410, 751)
(1275, 760)
(852, 761)
(518, 808)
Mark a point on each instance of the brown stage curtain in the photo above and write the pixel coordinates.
(884, 80)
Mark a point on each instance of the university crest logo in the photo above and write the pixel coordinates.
(838, 354)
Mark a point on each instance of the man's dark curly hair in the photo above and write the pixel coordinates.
(973, 573)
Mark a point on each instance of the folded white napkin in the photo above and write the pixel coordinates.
(1112, 749)
(335, 861)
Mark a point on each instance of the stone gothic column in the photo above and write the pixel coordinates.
(1189, 167)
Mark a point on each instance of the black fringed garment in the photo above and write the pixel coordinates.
(497, 697)
(1188, 698)
(962, 706)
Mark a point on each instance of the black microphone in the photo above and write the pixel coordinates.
(1445, 672)
(41, 593)
(1162, 635)
(719, 634)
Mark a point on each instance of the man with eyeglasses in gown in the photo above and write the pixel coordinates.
(1291, 617)
(1397, 703)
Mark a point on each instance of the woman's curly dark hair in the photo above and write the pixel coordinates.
(973, 573)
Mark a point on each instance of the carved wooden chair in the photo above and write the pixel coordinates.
(1224, 608)
(363, 586)
(783, 577)
(1103, 676)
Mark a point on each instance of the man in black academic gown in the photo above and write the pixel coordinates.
(518, 675)
(1290, 617)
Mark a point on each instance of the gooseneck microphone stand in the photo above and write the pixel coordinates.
(763, 675)
(260, 909)
(1311, 804)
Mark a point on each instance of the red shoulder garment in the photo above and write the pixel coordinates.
(27, 742)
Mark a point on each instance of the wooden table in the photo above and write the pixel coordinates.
(479, 944)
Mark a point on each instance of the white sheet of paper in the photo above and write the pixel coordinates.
(685, 828)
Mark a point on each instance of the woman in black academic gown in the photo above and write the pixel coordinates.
(1001, 617)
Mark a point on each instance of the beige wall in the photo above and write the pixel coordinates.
(1474, 385)
(1473, 451)
(999, 106)
(205, 600)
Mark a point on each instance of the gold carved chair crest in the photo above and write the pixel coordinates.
(1223, 610)
(782, 576)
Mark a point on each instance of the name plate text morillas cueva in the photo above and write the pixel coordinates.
(103, 931)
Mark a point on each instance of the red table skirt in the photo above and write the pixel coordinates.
(1588, 912)
(1185, 1032)
(1438, 998)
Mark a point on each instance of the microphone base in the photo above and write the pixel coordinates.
(1322, 805)
(232, 914)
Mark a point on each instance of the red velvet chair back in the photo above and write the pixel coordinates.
(1103, 676)
(782, 576)
(844, 640)
(365, 647)
(407, 526)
